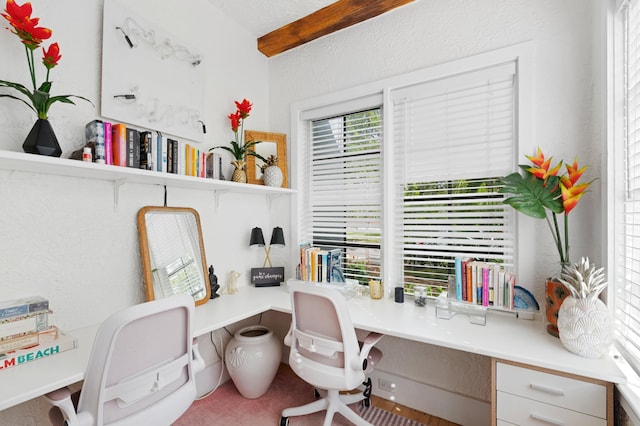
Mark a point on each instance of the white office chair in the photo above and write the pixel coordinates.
(141, 369)
(325, 353)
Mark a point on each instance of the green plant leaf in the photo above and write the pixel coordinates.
(255, 154)
(532, 196)
(65, 99)
(21, 100)
(45, 87)
(226, 148)
(250, 144)
(19, 87)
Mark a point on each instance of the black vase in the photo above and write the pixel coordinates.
(42, 140)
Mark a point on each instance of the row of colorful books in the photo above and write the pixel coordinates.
(484, 283)
(26, 332)
(120, 145)
(319, 264)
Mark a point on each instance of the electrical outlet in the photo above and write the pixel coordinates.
(386, 385)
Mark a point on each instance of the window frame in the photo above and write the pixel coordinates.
(354, 203)
(360, 97)
(616, 163)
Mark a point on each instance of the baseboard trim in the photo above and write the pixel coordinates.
(441, 403)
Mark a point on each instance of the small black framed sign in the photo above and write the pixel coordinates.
(267, 277)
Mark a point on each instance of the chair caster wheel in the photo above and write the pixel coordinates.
(284, 421)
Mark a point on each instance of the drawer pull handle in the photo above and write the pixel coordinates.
(547, 419)
(547, 389)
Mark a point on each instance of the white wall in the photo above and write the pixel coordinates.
(64, 238)
(567, 85)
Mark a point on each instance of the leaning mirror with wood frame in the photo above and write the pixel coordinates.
(172, 250)
(270, 144)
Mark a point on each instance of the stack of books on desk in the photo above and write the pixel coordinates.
(320, 265)
(484, 283)
(26, 333)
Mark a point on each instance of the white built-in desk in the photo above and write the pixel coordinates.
(503, 337)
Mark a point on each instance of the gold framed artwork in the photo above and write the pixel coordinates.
(272, 144)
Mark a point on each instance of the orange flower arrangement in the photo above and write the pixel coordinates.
(31, 35)
(540, 191)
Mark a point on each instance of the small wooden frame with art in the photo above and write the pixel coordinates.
(271, 144)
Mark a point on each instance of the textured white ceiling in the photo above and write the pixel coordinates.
(264, 16)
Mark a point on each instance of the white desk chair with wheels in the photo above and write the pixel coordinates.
(141, 370)
(325, 353)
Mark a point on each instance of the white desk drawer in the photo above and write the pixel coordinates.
(573, 394)
(523, 412)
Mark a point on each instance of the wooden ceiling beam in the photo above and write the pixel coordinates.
(336, 16)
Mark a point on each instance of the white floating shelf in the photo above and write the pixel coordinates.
(32, 163)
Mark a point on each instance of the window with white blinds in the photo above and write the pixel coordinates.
(627, 188)
(344, 192)
(453, 139)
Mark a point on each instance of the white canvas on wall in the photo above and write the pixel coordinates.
(150, 78)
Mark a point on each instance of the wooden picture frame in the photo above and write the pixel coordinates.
(272, 144)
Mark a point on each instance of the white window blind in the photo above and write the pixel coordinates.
(627, 275)
(344, 192)
(453, 139)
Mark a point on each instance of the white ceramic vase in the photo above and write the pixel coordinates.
(272, 176)
(585, 327)
(252, 358)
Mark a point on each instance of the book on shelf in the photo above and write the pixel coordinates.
(475, 289)
(180, 157)
(133, 148)
(169, 155)
(173, 155)
(108, 142)
(302, 265)
(465, 270)
(161, 152)
(462, 270)
(119, 144)
(51, 342)
(188, 155)
(313, 253)
(147, 150)
(202, 159)
(322, 266)
(458, 272)
(214, 166)
(22, 306)
(335, 274)
(194, 161)
(486, 277)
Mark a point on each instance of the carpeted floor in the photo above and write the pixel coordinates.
(227, 407)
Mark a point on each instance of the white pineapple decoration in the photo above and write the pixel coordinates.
(271, 173)
(584, 321)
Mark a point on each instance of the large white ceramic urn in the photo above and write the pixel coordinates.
(252, 358)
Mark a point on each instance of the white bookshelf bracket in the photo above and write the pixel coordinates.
(216, 197)
(116, 192)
